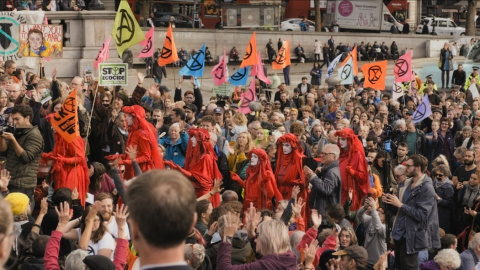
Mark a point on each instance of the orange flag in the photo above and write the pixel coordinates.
(283, 57)
(65, 121)
(375, 74)
(250, 58)
(169, 51)
(352, 54)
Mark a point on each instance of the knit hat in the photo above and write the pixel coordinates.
(18, 202)
(99, 262)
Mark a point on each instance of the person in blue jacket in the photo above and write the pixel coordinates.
(175, 144)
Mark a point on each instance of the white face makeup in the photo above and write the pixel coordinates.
(343, 143)
(194, 141)
(129, 119)
(287, 148)
(254, 160)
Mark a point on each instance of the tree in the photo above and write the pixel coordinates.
(318, 16)
(471, 12)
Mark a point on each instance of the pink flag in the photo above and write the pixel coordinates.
(246, 98)
(403, 68)
(259, 72)
(45, 20)
(219, 72)
(148, 43)
(103, 53)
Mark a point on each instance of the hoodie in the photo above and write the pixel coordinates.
(430, 265)
(284, 261)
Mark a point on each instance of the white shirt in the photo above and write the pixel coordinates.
(107, 242)
(112, 228)
(318, 47)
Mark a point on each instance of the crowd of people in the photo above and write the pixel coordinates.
(321, 177)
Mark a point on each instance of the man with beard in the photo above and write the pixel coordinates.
(416, 224)
(402, 151)
(106, 210)
(190, 111)
(462, 174)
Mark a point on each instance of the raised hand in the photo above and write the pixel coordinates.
(295, 191)
(316, 219)
(231, 224)
(64, 214)
(4, 179)
(297, 208)
(121, 215)
(131, 151)
(43, 207)
(310, 253)
(75, 193)
(217, 183)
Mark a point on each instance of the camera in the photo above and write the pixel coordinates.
(4, 127)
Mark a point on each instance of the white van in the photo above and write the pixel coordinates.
(443, 27)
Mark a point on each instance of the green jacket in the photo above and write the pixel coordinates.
(23, 169)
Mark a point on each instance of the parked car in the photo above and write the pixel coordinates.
(162, 19)
(294, 25)
(443, 27)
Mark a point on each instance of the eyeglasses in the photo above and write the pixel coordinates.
(477, 119)
(440, 175)
(397, 175)
(408, 165)
(106, 101)
(324, 154)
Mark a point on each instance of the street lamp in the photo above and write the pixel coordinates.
(434, 3)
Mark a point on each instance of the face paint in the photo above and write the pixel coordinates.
(129, 119)
(254, 160)
(194, 141)
(287, 148)
(343, 143)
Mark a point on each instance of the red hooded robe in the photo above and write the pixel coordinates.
(353, 168)
(289, 171)
(260, 184)
(142, 135)
(201, 164)
(70, 165)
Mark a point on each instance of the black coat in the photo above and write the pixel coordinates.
(445, 205)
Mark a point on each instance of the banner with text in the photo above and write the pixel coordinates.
(40, 40)
(113, 74)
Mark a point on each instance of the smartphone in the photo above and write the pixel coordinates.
(30, 87)
(187, 77)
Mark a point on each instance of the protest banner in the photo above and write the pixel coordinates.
(40, 40)
(113, 74)
(10, 28)
(65, 121)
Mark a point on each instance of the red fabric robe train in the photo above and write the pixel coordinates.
(142, 135)
(289, 171)
(260, 183)
(69, 166)
(200, 164)
(353, 168)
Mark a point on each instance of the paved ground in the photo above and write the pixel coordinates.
(297, 71)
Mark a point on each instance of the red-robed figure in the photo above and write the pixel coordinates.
(353, 167)
(141, 134)
(69, 165)
(260, 183)
(289, 170)
(200, 164)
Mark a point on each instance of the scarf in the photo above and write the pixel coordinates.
(470, 195)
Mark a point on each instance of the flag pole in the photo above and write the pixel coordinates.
(91, 113)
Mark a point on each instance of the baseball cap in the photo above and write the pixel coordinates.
(191, 107)
(410, 112)
(218, 110)
(233, 105)
(436, 110)
(357, 253)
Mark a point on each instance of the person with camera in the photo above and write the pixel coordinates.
(22, 148)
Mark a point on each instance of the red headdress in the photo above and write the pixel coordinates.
(294, 159)
(142, 125)
(204, 146)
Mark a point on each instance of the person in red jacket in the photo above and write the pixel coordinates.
(260, 184)
(200, 164)
(142, 135)
(69, 167)
(289, 172)
(353, 167)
